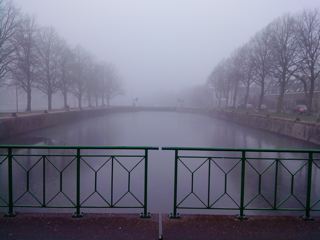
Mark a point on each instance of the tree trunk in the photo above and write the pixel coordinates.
(247, 94)
(80, 101)
(29, 100)
(261, 95)
(235, 95)
(65, 99)
(89, 101)
(281, 97)
(49, 101)
(310, 97)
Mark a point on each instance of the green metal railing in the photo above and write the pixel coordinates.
(61, 162)
(264, 179)
(242, 180)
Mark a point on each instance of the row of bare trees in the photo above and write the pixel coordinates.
(37, 57)
(283, 57)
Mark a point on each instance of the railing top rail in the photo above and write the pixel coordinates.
(80, 147)
(210, 149)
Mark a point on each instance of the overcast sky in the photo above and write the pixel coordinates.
(160, 45)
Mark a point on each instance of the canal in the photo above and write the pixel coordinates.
(157, 129)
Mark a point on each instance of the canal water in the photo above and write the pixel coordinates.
(158, 129)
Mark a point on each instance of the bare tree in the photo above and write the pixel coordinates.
(8, 25)
(92, 80)
(262, 56)
(247, 70)
(221, 83)
(98, 82)
(39, 58)
(308, 39)
(283, 57)
(48, 58)
(216, 87)
(111, 83)
(197, 96)
(234, 75)
(65, 58)
(284, 54)
(79, 73)
(215, 82)
(24, 66)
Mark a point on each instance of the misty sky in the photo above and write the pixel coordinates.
(160, 46)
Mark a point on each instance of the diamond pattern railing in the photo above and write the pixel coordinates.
(3, 161)
(54, 177)
(204, 178)
(280, 180)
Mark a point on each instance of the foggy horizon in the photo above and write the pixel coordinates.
(159, 48)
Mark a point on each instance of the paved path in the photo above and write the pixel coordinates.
(108, 226)
(229, 228)
(64, 227)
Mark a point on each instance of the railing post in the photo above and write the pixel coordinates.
(10, 185)
(145, 213)
(242, 185)
(174, 214)
(44, 181)
(309, 182)
(112, 162)
(209, 182)
(276, 185)
(78, 214)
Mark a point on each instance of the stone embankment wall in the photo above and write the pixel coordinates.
(26, 122)
(305, 131)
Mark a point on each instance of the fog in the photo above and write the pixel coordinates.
(162, 47)
(222, 57)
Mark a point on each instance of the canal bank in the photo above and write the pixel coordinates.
(16, 124)
(301, 130)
